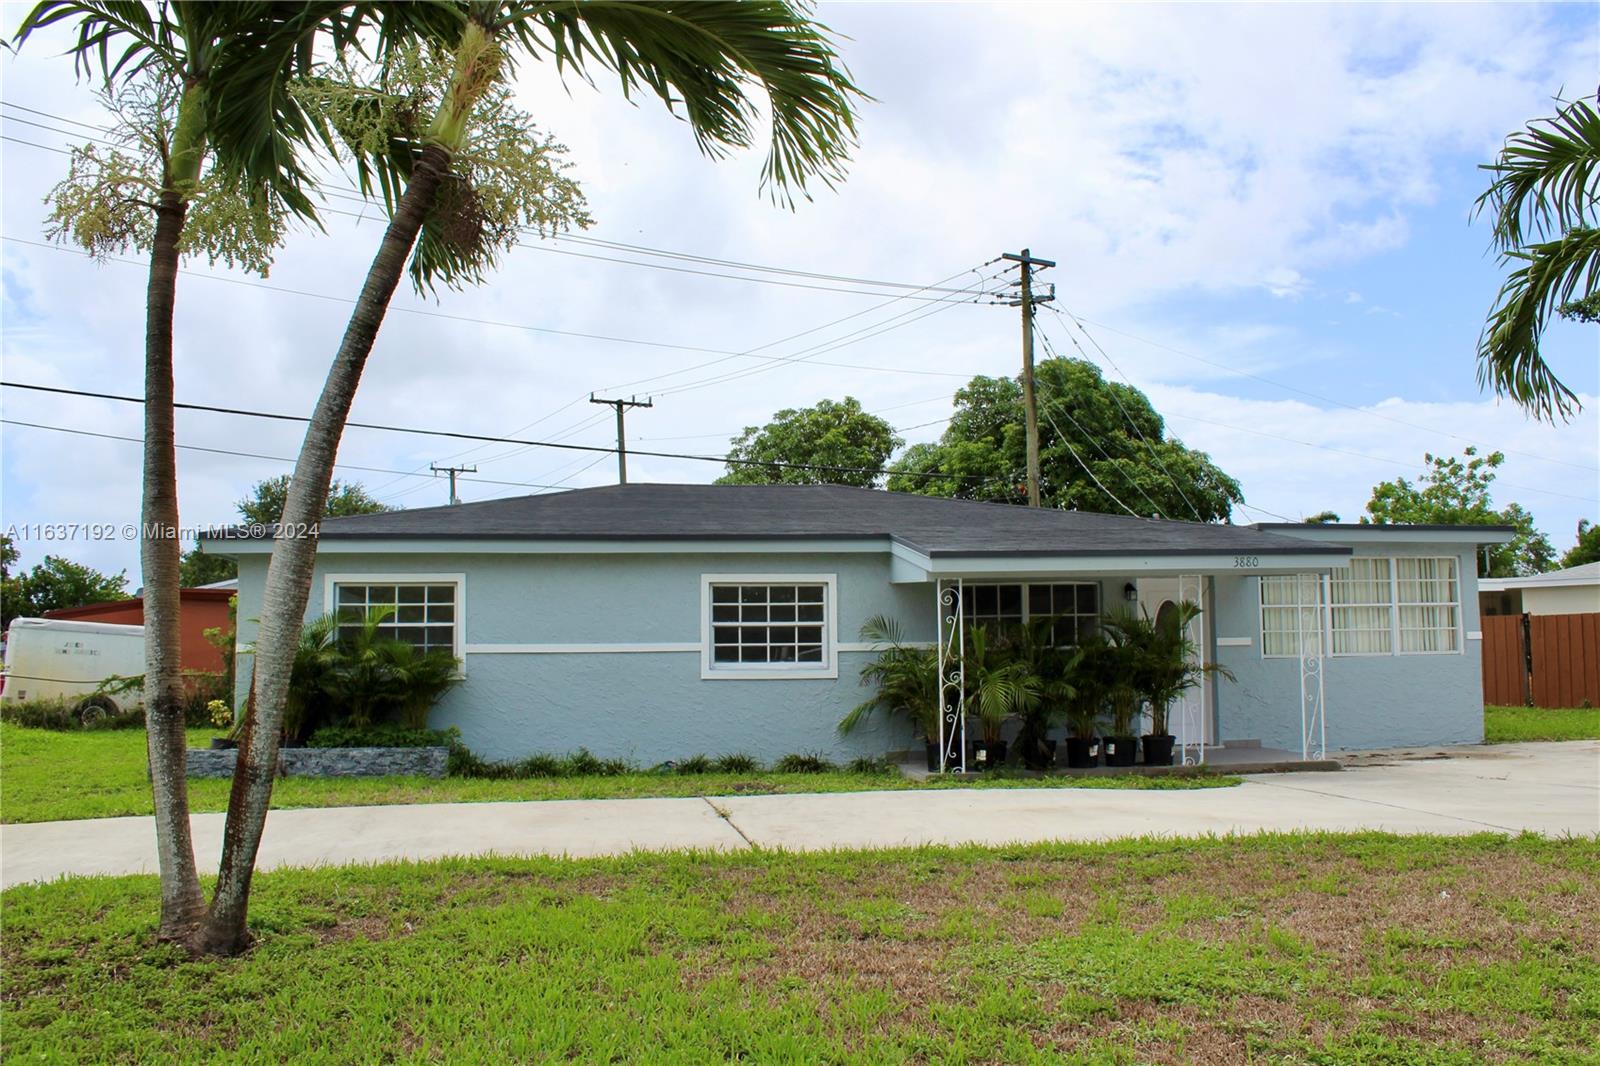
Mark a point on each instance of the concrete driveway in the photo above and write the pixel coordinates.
(1552, 789)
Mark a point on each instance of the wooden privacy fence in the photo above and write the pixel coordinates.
(1548, 660)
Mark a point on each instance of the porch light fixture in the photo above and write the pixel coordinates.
(1130, 592)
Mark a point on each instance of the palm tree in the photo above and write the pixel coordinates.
(226, 66)
(710, 57)
(1546, 203)
(905, 678)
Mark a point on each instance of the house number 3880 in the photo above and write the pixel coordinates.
(1246, 562)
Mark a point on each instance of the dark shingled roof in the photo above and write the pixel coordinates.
(929, 524)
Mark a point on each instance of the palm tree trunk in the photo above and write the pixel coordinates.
(182, 905)
(288, 585)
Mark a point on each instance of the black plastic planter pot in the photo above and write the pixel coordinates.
(987, 754)
(933, 757)
(1082, 754)
(1158, 749)
(223, 744)
(1121, 751)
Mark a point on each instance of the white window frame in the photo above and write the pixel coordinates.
(1455, 564)
(1319, 609)
(330, 582)
(710, 670)
(1027, 608)
(1326, 613)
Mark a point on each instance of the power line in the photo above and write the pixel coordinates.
(380, 427)
(1065, 440)
(1129, 418)
(1306, 392)
(270, 458)
(570, 237)
(1101, 448)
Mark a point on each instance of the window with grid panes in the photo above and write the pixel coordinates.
(1074, 604)
(763, 625)
(422, 614)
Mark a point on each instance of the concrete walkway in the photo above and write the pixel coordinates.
(1553, 789)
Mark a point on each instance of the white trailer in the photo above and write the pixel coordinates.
(52, 658)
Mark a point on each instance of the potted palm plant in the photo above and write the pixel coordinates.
(1165, 665)
(906, 680)
(999, 686)
(1055, 669)
(1086, 706)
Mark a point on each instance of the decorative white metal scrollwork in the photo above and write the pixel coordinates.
(952, 645)
(1311, 640)
(1192, 704)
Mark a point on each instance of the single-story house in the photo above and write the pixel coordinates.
(656, 621)
(1575, 590)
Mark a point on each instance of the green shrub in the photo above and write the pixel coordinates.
(872, 766)
(382, 736)
(62, 715)
(581, 763)
(694, 764)
(804, 763)
(736, 763)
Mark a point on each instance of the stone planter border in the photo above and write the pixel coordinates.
(330, 762)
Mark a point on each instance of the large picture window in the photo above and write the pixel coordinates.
(1375, 606)
(769, 626)
(423, 614)
(1074, 604)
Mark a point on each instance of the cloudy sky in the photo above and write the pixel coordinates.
(1262, 214)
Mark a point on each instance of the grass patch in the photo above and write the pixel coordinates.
(54, 776)
(1138, 951)
(1509, 725)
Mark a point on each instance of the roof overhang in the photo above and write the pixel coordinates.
(239, 547)
(1351, 532)
(910, 566)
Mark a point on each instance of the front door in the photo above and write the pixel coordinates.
(1192, 718)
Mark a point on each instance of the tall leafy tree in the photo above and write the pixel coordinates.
(262, 507)
(207, 162)
(856, 444)
(1101, 446)
(724, 66)
(1587, 548)
(1456, 491)
(265, 503)
(53, 584)
(1545, 199)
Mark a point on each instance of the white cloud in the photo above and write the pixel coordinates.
(1156, 151)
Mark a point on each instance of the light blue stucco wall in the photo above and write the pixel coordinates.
(643, 705)
(1371, 701)
(652, 706)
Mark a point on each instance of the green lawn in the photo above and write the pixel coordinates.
(1293, 949)
(49, 776)
(1507, 725)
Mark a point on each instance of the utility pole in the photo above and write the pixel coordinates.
(1030, 406)
(622, 436)
(453, 471)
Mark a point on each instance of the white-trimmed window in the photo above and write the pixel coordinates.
(1427, 596)
(1074, 604)
(1376, 605)
(423, 612)
(1291, 615)
(1360, 598)
(778, 625)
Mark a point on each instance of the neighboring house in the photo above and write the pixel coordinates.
(1575, 590)
(657, 621)
(200, 609)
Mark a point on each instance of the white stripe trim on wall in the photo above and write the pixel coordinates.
(574, 649)
(1234, 642)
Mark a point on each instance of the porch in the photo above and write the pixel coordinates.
(1077, 599)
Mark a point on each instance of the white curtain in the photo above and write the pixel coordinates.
(1360, 595)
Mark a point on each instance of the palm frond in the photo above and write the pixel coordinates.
(704, 56)
(1545, 177)
(1508, 350)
